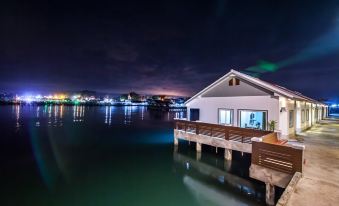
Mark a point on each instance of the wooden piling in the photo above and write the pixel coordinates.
(270, 194)
(228, 154)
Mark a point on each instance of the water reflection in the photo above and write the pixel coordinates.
(17, 116)
(56, 109)
(206, 190)
(108, 115)
(55, 115)
(61, 111)
(78, 113)
(179, 115)
(49, 115)
(128, 115)
(37, 123)
(72, 158)
(142, 113)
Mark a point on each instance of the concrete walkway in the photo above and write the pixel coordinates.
(320, 183)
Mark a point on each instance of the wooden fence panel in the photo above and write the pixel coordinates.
(277, 157)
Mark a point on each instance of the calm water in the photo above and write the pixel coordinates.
(69, 155)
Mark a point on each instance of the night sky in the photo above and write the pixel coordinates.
(170, 47)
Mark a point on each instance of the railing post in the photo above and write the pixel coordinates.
(226, 134)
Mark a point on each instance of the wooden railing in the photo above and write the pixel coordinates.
(243, 135)
(281, 158)
(269, 152)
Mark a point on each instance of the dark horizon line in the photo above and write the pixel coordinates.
(97, 92)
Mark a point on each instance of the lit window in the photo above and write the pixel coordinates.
(230, 83)
(253, 119)
(225, 116)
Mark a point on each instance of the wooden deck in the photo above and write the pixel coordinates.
(268, 151)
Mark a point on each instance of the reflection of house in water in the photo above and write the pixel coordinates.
(214, 185)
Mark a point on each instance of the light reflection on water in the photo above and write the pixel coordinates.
(212, 188)
(78, 113)
(55, 114)
(17, 113)
(91, 151)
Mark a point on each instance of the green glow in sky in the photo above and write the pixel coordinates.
(263, 67)
(320, 47)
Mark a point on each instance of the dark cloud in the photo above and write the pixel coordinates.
(176, 47)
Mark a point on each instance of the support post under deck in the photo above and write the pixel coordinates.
(228, 154)
(198, 147)
(176, 141)
(270, 194)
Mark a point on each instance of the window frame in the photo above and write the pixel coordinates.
(231, 113)
(253, 110)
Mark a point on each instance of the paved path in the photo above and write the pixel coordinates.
(320, 184)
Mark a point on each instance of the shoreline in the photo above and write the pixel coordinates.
(90, 104)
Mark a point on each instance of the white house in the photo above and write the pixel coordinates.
(241, 100)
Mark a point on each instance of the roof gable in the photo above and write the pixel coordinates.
(257, 82)
(224, 89)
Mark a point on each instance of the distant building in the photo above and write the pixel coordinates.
(241, 100)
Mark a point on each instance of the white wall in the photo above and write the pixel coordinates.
(315, 118)
(285, 106)
(278, 109)
(308, 109)
(300, 107)
(209, 106)
(283, 116)
(320, 113)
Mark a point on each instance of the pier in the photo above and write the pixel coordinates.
(273, 161)
(319, 184)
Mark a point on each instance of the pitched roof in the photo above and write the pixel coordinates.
(266, 85)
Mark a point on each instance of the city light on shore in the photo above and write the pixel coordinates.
(131, 98)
